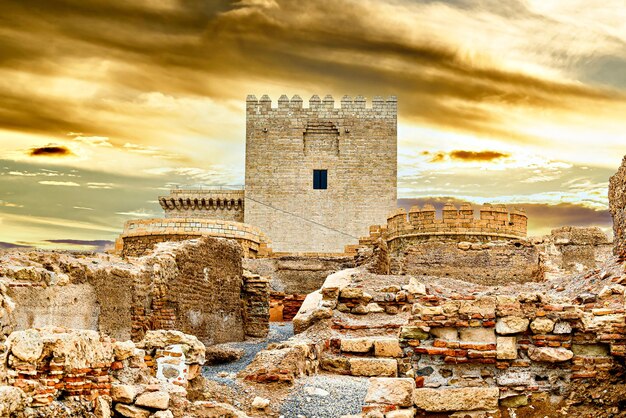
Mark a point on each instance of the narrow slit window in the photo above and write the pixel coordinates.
(320, 179)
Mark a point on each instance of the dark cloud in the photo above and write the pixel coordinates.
(50, 151)
(477, 155)
(461, 155)
(191, 48)
(96, 245)
(541, 217)
(10, 246)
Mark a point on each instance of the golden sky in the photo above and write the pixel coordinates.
(105, 104)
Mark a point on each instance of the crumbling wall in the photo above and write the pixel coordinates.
(578, 248)
(194, 286)
(617, 206)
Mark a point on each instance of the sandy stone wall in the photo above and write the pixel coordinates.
(488, 263)
(617, 206)
(354, 142)
(194, 286)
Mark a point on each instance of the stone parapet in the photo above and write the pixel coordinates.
(140, 236)
(495, 222)
(197, 203)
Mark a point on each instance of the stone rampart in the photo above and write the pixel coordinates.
(227, 205)
(140, 236)
(494, 223)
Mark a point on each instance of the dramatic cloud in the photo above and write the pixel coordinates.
(516, 101)
(50, 151)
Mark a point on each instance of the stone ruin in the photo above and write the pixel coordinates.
(453, 317)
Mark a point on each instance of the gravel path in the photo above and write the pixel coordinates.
(325, 396)
(279, 331)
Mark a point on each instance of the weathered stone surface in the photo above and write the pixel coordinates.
(356, 345)
(401, 413)
(514, 401)
(193, 349)
(590, 350)
(415, 287)
(388, 347)
(162, 414)
(102, 407)
(456, 399)
(549, 354)
(154, 400)
(373, 367)
(123, 393)
(12, 400)
(131, 411)
(478, 334)
(413, 333)
(392, 391)
(562, 328)
(445, 333)
(515, 378)
(260, 403)
(26, 345)
(511, 325)
(506, 348)
(542, 325)
(123, 349)
(221, 353)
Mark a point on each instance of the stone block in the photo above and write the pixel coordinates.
(549, 354)
(506, 348)
(154, 400)
(131, 411)
(373, 367)
(401, 413)
(542, 325)
(511, 325)
(590, 350)
(356, 345)
(445, 333)
(456, 399)
(388, 347)
(413, 333)
(478, 334)
(123, 393)
(389, 390)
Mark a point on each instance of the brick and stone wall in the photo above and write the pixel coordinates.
(256, 305)
(617, 206)
(194, 286)
(226, 205)
(353, 141)
(140, 236)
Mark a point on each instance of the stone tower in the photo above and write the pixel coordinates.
(318, 177)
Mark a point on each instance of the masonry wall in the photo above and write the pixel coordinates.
(355, 143)
(617, 206)
(193, 286)
(489, 263)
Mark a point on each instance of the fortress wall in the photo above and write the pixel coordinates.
(495, 222)
(356, 143)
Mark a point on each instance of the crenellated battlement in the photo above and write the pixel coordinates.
(347, 103)
(495, 222)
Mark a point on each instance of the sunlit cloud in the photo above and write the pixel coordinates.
(59, 183)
